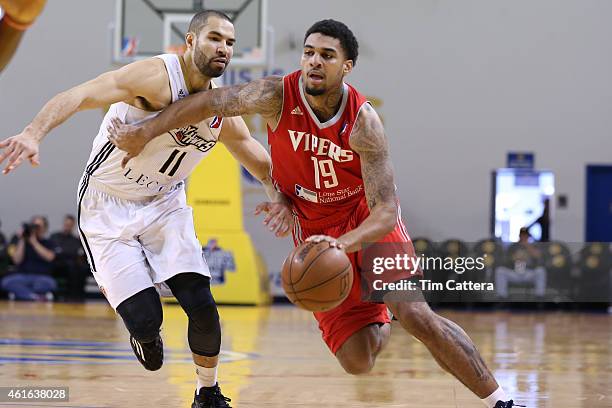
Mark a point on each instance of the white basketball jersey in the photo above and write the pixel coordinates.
(165, 161)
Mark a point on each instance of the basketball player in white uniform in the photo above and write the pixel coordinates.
(134, 222)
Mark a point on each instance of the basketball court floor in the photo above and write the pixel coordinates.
(274, 357)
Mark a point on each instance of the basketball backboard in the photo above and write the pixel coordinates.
(144, 28)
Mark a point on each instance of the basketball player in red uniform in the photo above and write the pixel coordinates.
(330, 159)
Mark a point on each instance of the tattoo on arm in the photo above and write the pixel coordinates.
(369, 141)
(264, 97)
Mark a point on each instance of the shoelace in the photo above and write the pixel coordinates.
(216, 396)
(512, 404)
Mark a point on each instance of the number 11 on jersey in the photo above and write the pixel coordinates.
(324, 169)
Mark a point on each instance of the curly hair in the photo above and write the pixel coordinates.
(339, 31)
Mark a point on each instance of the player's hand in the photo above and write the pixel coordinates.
(279, 218)
(129, 138)
(16, 149)
(333, 242)
(23, 11)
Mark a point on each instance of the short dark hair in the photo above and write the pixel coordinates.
(69, 217)
(201, 18)
(339, 31)
(42, 218)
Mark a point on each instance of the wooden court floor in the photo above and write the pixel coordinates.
(273, 357)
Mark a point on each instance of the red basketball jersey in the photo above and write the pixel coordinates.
(312, 162)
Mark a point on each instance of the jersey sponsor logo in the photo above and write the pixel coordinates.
(189, 136)
(319, 146)
(216, 122)
(144, 180)
(306, 194)
(297, 111)
(219, 261)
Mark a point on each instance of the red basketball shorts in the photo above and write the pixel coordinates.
(338, 324)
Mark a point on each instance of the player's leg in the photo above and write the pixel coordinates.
(107, 226)
(356, 331)
(451, 347)
(175, 256)
(192, 290)
(358, 353)
(142, 314)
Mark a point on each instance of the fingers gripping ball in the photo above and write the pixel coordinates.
(316, 276)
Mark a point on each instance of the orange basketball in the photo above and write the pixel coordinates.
(316, 276)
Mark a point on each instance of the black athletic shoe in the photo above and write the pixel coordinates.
(150, 355)
(210, 397)
(508, 404)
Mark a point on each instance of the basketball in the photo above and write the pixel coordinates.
(316, 276)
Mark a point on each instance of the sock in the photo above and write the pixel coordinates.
(207, 377)
(498, 395)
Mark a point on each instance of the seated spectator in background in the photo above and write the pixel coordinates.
(33, 256)
(527, 267)
(4, 258)
(544, 222)
(70, 263)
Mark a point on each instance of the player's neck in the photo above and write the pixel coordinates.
(326, 106)
(194, 79)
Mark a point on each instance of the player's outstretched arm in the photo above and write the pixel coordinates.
(249, 152)
(263, 96)
(369, 141)
(253, 156)
(141, 79)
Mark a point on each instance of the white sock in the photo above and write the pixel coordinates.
(498, 395)
(207, 377)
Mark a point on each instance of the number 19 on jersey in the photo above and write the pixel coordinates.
(324, 170)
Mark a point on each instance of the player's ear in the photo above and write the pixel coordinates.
(190, 39)
(347, 67)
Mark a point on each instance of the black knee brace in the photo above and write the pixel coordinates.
(142, 315)
(192, 290)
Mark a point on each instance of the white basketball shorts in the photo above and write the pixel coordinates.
(133, 245)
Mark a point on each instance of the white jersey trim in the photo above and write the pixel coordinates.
(314, 117)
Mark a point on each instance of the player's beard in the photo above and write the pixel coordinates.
(204, 65)
(314, 91)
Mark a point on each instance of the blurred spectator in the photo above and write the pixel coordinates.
(70, 264)
(544, 222)
(33, 256)
(4, 258)
(527, 267)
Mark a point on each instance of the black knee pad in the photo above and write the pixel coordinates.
(142, 315)
(192, 291)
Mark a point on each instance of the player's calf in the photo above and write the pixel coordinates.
(142, 315)
(192, 291)
(452, 349)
